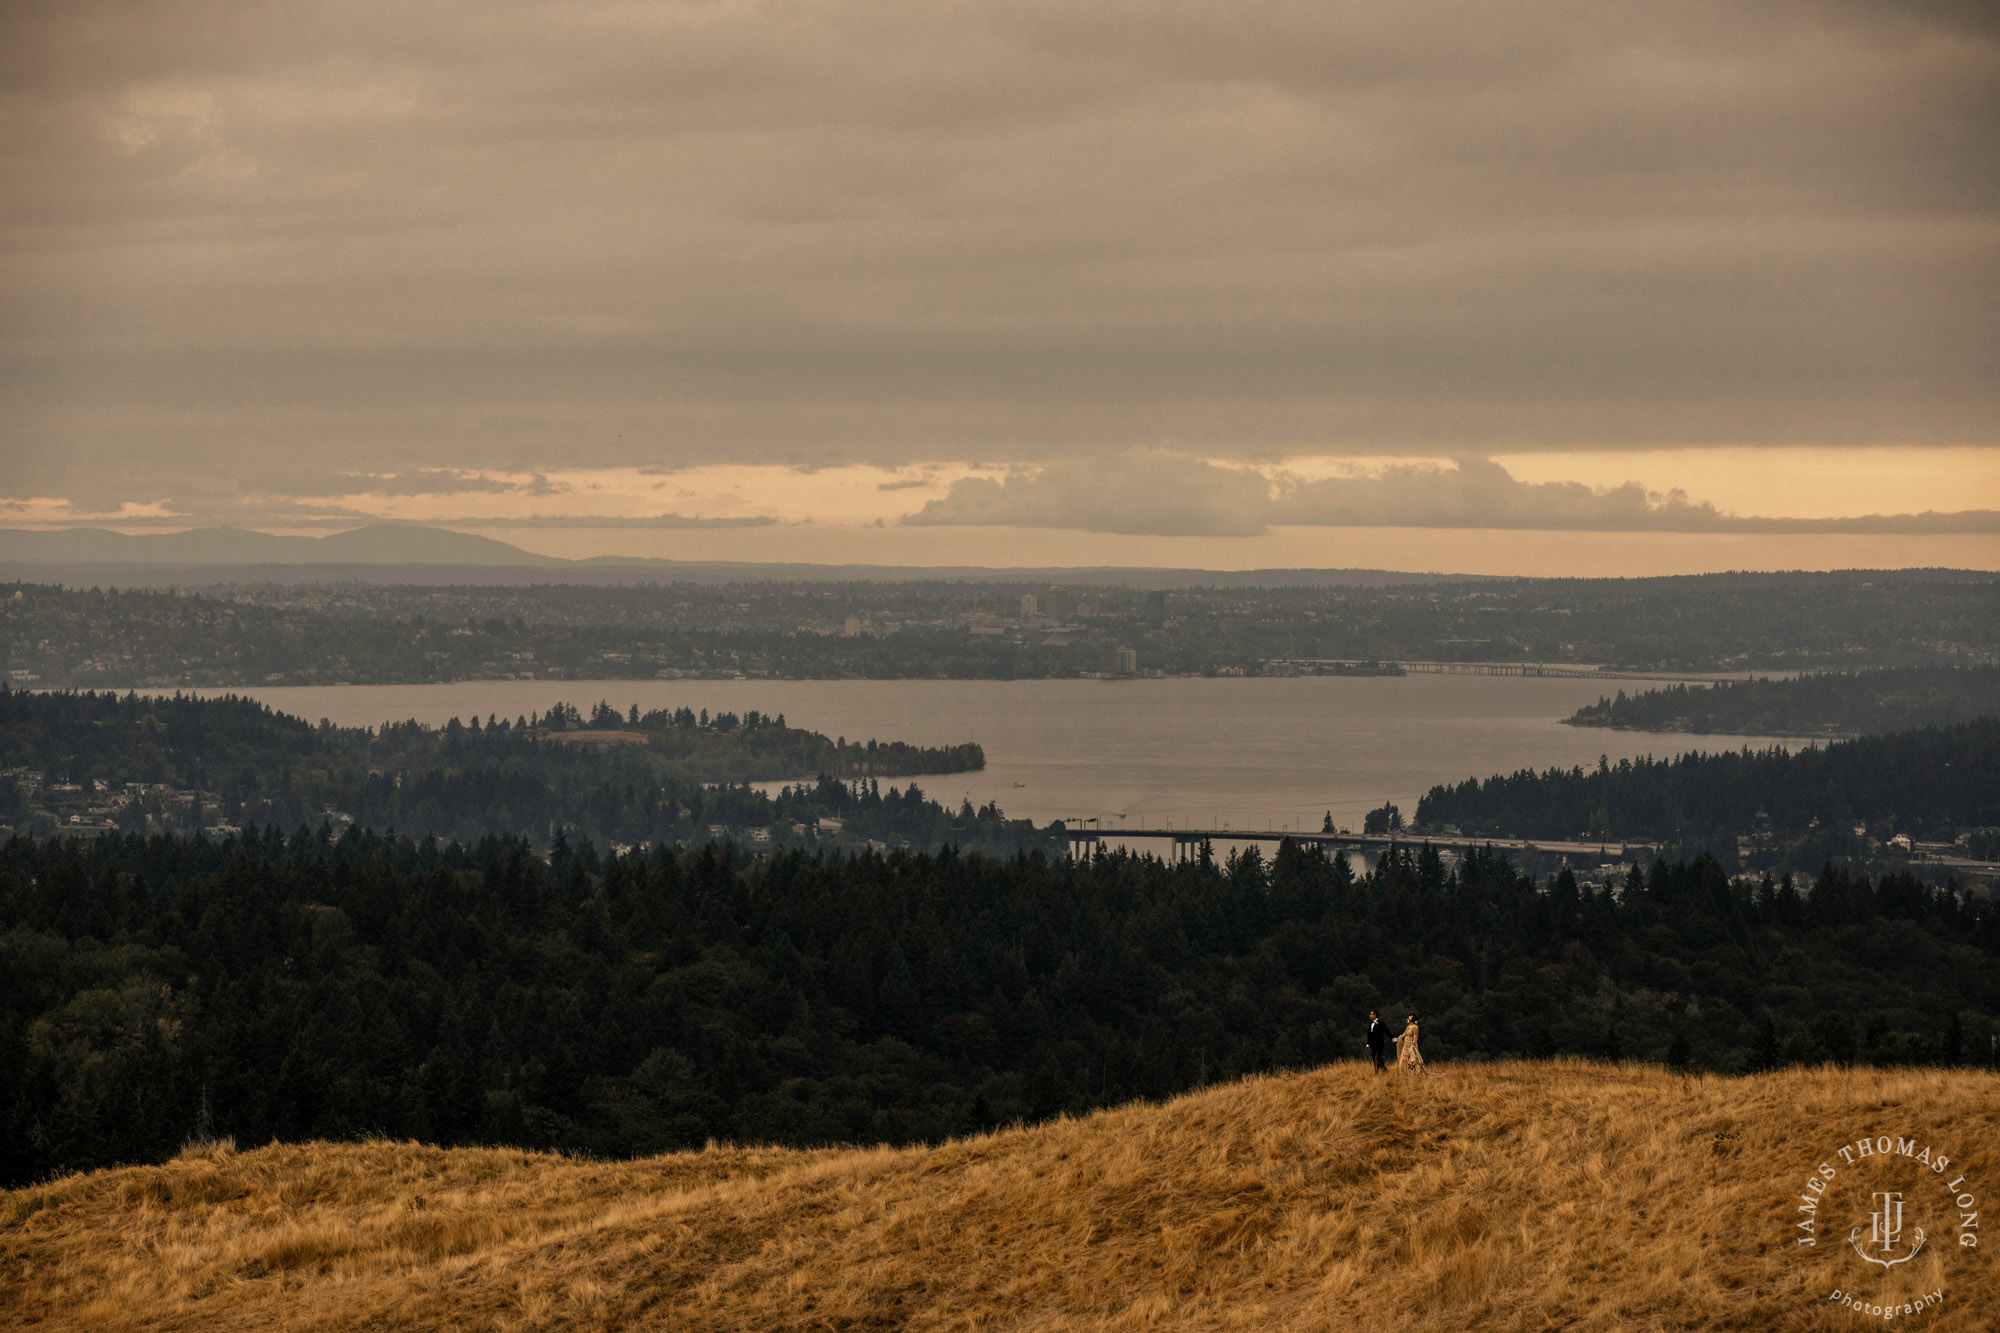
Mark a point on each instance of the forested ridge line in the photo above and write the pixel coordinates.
(1932, 783)
(1818, 703)
(154, 988)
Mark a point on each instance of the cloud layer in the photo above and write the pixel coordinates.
(607, 521)
(243, 247)
(1140, 493)
(1177, 495)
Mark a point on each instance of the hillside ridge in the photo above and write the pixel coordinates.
(1511, 1195)
(362, 554)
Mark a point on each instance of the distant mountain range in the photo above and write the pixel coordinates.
(402, 553)
(380, 544)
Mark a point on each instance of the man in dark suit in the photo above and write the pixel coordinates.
(1378, 1040)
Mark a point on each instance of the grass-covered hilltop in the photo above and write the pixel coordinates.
(1512, 1196)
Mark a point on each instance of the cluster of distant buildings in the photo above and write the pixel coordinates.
(1053, 618)
(29, 803)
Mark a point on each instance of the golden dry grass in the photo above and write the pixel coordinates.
(1507, 1196)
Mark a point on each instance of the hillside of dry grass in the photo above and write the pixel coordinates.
(1506, 1196)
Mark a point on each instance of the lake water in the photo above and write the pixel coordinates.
(1246, 753)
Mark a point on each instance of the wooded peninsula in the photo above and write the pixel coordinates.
(1818, 703)
(96, 761)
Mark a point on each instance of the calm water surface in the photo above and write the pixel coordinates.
(1265, 753)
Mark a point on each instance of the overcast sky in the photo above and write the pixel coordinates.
(1014, 273)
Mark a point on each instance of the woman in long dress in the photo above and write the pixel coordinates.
(1407, 1055)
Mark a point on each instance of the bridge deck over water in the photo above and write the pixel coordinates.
(1185, 842)
(1558, 670)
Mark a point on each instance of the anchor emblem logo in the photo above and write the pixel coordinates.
(1885, 1232)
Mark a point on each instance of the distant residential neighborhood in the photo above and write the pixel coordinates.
(360, 633)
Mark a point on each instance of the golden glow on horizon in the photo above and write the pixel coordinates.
(848, 493)
(54, 511)
(1776, 483)
(1788, 483)
(852, 513)
(1443, 550)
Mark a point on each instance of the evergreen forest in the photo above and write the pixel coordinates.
(1819, 703)
(182, 763)
(157, 988)
(1933, 783)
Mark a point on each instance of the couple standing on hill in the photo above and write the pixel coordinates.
(1407, 1055)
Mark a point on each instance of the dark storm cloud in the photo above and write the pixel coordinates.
(1172, 495)
(278, 241)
